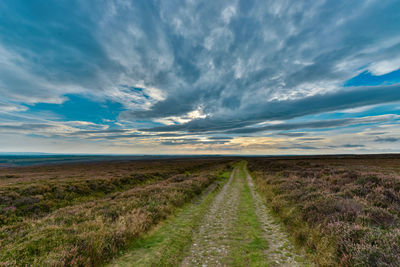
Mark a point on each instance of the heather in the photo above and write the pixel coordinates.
(343, 211)
(102, 210)
(36, 191)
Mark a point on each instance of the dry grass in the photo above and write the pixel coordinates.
(343, 211)
(99, 214)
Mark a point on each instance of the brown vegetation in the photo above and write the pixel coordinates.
(344, 211)
(81, 214)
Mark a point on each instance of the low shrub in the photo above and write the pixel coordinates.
(90, 232)
(39, 197)
(340, 214)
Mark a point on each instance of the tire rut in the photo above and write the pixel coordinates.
(211, 243)
(280, 251)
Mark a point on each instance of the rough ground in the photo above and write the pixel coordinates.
(218, 241)
(280, 251)
(229, 227)
(211, 244)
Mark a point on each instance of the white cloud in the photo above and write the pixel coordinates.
(190, 116)
(228, 13)
(384, 67)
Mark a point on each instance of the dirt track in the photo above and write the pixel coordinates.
(218, 233)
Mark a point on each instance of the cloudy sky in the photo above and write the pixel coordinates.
(206, 77)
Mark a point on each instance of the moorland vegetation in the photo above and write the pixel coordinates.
(83, 214)
(343, 211)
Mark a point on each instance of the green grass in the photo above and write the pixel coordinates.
(225, 174)
(248, 246)
(166, 245)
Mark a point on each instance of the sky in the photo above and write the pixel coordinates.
(200, 77)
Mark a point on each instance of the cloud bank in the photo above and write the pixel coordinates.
(212, 71)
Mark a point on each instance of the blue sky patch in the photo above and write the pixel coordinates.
(367, 79)
(79, 108)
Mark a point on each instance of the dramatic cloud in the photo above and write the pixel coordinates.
(288, 109)
(318, 124)
(152, 74)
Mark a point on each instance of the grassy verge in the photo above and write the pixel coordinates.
(320, 247)
(248, 245)
(166, 245)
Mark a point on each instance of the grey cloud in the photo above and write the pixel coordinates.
(305, 147)
(121, 136)
(209, 125)
(293, 134)
(351, 146)
(346, 146)
(110, 131)
(11, 107)
(387, 139)
(51, 50)
(123, 133)
(174, 142)
(299, 147)
(128, 135)
(315, 124)
(219, 138)
(25, 127)
(376, 133)
(311, 139)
